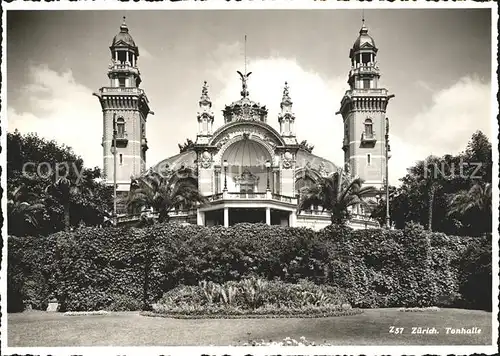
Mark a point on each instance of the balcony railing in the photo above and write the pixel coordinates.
(118, 90)
(125, 218)
(315, 212)
(121, 137)
(368, 137)
(118, 67)
(252, 196)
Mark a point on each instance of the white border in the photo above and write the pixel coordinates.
(263, 4)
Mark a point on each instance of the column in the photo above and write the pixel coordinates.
(126, 58)
(293, 219)
(200, 218)
(226, 217)
(268, 216)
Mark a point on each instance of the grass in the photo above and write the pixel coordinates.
(131, 329)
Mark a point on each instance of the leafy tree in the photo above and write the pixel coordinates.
(23, 210)
(336, 194)
(36, 164)
(426, 191)
(476, 203)
(163, 192)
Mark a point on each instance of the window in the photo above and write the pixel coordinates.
(121, 159)
(121, 82)
(120, 127)
(368, 128)
(369, 159)
(366, 83)
(366, 58)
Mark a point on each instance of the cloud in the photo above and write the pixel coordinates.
(59, 108)
(315, 99)
(144, 54)
(444, 127)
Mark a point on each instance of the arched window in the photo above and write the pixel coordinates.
(368, 128)
(120, 127)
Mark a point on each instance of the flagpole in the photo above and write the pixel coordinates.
(387, 214)
(114, 170)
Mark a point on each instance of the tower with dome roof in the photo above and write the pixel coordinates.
(363, 109)
(125, 106)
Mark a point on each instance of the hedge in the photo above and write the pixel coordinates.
(129, 268)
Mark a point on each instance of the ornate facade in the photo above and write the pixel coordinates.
(249, 171)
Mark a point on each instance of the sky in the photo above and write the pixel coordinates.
(437, 63)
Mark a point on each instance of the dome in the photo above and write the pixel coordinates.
(306, 160)
(245, 109)
(123, 38)
(246, 153)
(186, 159)
(364, 38)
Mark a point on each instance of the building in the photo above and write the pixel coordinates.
(249, 171)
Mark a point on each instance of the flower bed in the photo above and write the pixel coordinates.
(285, 342)
(253, 298)
(84, 313)
(416, 309)
(261, 313)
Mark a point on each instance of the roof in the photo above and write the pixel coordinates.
(123, 38)
(307, 160)
(363, 39)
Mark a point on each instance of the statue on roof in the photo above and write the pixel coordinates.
(244, 78)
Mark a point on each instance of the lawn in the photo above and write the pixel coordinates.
(35, 328)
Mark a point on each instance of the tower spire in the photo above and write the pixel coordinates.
(245, 54)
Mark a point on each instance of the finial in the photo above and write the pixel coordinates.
(204, 90)
(364, 29)
(124, 27)
(286, 93)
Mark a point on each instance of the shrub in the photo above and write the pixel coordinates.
(88, 269)
(251, 294)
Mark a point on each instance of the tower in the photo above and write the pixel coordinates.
(363, 110)
(286, 117)
(125, 108)
(205, 117)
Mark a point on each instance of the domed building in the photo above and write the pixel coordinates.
(248, 171)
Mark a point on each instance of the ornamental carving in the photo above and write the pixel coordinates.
(246, 177)
(322, 169)
(206, 160)
(222, 141)
(287, 160)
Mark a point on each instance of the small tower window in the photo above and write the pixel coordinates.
(368, 128)
(121, 82)
(120, 127)
(369, 159)
(366, 83)
(121, 159)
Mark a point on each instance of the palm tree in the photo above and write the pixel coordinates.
(335, 193)
(478, 197)
(66, 190)
(22, 210)
(162, 193)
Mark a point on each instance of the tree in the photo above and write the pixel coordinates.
(36, 163)
(336, 194)
(426, 191)
(163, 192)
(67, 189)
(23, 209)
(475, 202)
